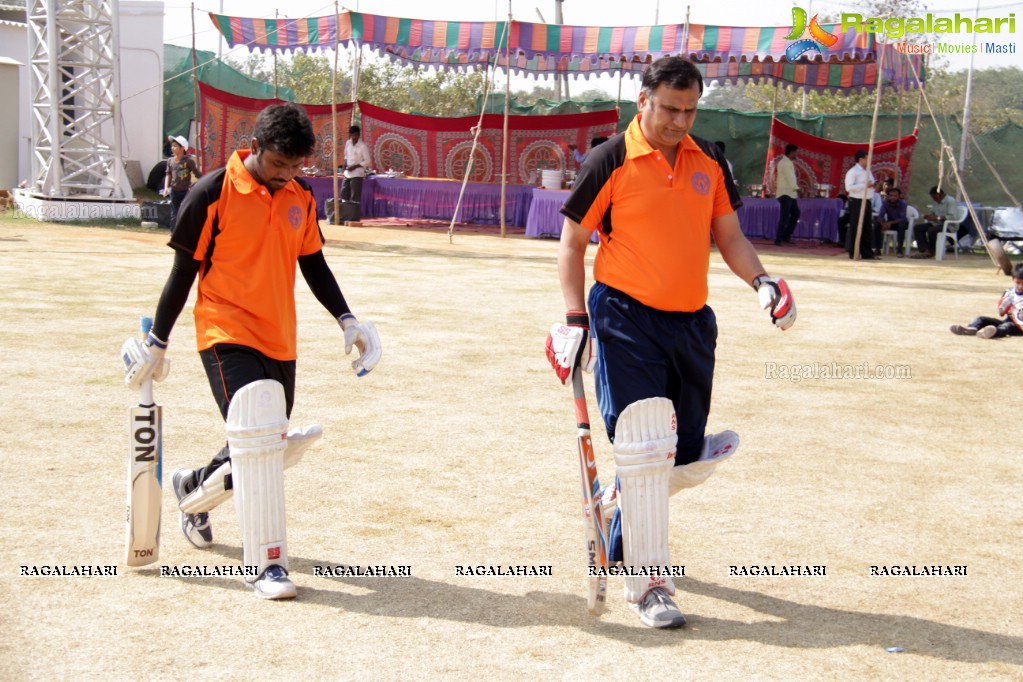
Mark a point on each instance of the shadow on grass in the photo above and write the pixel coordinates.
(791, 624)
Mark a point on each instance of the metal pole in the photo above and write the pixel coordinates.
(333, 116)
(870, 155)
(195, 89)
(963, 148)
(507, 110)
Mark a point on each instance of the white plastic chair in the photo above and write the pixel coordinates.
(948, 232)
(890, 238)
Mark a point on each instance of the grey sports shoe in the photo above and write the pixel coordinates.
(196, 527)
(960, 330)
(988, 332)
(273, 583)
(657, 610)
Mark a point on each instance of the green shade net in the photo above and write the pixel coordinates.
(179, 90)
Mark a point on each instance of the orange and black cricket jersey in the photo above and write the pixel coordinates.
(248, 242)
(653, 220)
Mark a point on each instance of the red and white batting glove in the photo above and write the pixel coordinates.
(1016, 313)
(775, 295)
(570, 346)
(1005, 303)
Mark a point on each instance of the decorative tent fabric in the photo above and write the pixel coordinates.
(824, 162)
(830, 76)
(424, 146)
(729, 53)
(227, 122)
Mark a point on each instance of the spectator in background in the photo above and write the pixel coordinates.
(926, 234)
(859, 183)
(357, 163)
(892, 216)
(881, 188)
(181, 172)
(786, 188)
(578, 156)
(1010, 307)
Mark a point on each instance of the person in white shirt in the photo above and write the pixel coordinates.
(786, 188)
(357, 163)
(859, 184)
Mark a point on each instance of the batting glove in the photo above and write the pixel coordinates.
(775, 295)
(570, 346)
(362, 335)
(1005, 303)
(144, 360)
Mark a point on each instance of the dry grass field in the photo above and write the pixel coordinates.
(459, 450)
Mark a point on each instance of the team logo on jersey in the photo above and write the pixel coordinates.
(701, 183)
(295, 216)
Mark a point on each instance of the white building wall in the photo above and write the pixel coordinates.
(14, 46)
(9, 112)
(141, 56)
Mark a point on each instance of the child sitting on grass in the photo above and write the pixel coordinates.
(1010, 306)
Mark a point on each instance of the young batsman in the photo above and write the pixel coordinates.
(242, 230)
(656, 195)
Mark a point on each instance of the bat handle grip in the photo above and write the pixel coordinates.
(146, 390)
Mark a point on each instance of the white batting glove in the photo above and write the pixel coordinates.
(144, 359)
(362, 335)
(775, 295)
(570, 346)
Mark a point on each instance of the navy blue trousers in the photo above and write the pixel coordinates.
(647, 353)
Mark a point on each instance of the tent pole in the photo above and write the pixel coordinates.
(195, 89)
(276, 96)
(870, 153)
(507, 109)
(333, 114)
(898, 145)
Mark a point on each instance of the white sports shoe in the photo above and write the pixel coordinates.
(273, 583)
(988, 332)
(657, 610)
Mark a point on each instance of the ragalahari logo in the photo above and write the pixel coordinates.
(819, 39)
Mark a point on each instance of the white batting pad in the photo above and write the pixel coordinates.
(213, 492)
(717, 447)
(644, 451)
(257, 428)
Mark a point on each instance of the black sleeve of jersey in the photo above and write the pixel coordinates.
(311, 206)
(194, 210)
(175, 294)
(712, 150)
(597, 168)
(323, 284)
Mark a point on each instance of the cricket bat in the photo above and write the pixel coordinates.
(145, 464)
(593, 516)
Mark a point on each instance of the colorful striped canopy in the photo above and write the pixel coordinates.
(725, 53)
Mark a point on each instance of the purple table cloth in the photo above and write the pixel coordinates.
(545, 218)
(418, 199)
(818, 218)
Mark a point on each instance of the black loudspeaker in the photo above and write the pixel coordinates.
(158, 212)
(351, 211)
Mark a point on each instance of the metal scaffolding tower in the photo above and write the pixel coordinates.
(76, 118)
